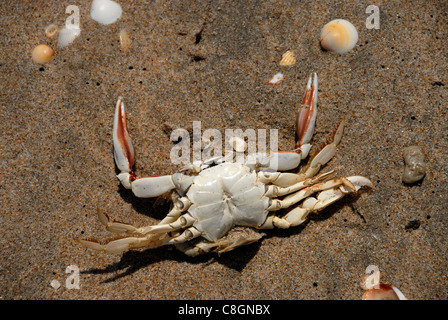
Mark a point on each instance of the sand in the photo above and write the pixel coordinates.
(209, 62)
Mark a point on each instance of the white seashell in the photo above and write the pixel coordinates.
(276, 79)
(42, 53)
(51, 30)
(288, 59)
(67, 36)
(105, 11)
(339, 36)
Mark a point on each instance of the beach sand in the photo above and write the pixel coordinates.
(209, 62)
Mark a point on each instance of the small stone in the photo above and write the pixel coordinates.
(415, 167)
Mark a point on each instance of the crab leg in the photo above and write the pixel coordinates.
(150, 236)
(306, 192)
(124, 158)
(285, 183)
(325, 155)
(325, 198)
(171, 222)
(121, 245)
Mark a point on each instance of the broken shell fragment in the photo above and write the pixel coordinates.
(414, 164)
(339, 36)
(51, 30)
(383, 292)
(288, 59)
(125, 41)
(105, 11)
(276, 79)
(42, 53)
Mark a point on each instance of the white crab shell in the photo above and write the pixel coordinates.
(227, 195)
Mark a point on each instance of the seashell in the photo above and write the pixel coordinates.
(276, 79)
(68, 35)
(383, 292)
(125, 41)
(415, 167)
(51, 30)
(105, 11)
(339, 36)
(288, 59)
(42, 53)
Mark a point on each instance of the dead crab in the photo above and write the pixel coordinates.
(222, 206)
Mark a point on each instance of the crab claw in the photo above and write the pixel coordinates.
(306, 117)
(305, 121)
(124, 158)
(123, 148)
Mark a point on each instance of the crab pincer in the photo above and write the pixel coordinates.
(304, 129)
(124, 155)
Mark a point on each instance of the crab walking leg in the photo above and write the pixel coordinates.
(310, 204)
(124, 155)
(172, 221)
(305, 193)
(150, 237)
(286, 183)
(185, 236)
(121, 245)
(234, 239)
(325, 155)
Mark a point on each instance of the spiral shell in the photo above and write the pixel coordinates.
(339, 36)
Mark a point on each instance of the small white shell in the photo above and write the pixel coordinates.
(288, 59)
(339, 36)
(276, 79)
(42, 53)
(51, 30)
(67, 36)
(105, 11)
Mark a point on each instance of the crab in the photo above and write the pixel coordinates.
(224, 205)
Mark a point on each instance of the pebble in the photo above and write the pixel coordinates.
(415, 167)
